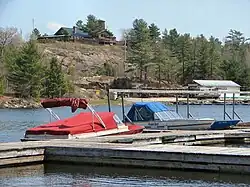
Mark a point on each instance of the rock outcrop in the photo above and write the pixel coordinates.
(84, 59)
(18, 103)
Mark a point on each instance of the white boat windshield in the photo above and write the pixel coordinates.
(117, 120)
(166, 115)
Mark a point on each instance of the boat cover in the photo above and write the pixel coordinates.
(74, 103)
(84, 122)
(150, 111)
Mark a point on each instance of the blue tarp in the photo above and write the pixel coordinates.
(153, 106)
(144, 111)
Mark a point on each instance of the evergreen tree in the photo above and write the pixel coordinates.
(139, 48)
(164, 64)
(154, 33)
(183, 51)
(93, 26)
(203, 70)
(234, 60)
(170, 39)
(25, 71)
(55, 83)
(214, 57)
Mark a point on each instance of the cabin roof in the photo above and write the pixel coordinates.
(70, 32)
(217, 83)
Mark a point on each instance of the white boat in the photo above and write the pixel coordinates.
(156, 115)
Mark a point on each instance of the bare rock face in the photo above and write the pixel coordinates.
(83, 58)
(17, 103)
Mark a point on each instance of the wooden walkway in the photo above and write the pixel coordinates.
(159, 150)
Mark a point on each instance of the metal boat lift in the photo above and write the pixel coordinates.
(177, 93)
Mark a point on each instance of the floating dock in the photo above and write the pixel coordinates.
(169, 150)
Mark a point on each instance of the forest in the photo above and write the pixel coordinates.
(177, 58)
(181, 58)
(27, 73)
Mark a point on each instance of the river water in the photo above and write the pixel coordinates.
(13, 124)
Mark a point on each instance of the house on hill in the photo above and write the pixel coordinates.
(66, 33)
(217, 85)
(101, 35)
(72, 32)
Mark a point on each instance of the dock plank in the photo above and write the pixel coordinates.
(142, 150)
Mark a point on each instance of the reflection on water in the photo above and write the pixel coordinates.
(95, 176)
(13, 124)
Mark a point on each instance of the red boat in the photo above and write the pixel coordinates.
(82, 125)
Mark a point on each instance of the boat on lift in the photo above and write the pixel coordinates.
(82, 125)
(157, 116)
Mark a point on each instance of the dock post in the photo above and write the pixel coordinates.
(123, 117)
(108, 94)
(176, 104)
(233, 105)
(224, 116)
(187, 105)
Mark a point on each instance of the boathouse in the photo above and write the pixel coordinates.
(218, 85)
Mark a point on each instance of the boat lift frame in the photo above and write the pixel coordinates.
(177, 93)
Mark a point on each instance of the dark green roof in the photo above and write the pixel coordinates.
(78, 32)
(62, 29)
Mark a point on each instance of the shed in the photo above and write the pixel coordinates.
(220, 85)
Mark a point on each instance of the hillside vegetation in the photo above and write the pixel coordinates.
(33, 70)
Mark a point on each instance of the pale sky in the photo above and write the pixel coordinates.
(208, 17)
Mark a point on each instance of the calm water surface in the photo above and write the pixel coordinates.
(92, 176)
(13, 124)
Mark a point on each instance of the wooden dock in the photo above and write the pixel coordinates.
(171, 150)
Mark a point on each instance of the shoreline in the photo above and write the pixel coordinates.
(17, 103)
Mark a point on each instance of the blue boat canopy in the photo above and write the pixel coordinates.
(151, 111)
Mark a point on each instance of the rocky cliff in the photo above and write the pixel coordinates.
(84, 60)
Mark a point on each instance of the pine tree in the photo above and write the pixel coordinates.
(139, 48)
(55, 83)
(234, 64)
(154, 33)
(164, 63)
(25, 71)
(170, 39)
(203, 69)
(214, 57)
(183, 51)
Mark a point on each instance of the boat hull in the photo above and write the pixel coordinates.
(178, 124)
(124, 130)
(224, 124)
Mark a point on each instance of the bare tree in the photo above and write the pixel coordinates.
(124, 39)
(9, 35)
